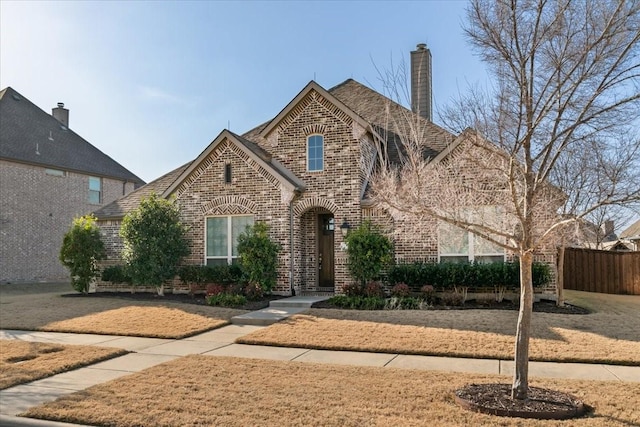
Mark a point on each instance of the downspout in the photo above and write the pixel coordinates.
(291, 248)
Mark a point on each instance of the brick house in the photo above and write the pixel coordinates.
(48, 175)
(306, 174)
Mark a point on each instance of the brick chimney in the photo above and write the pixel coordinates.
(61, 114)
(608, 230)
(421, 81)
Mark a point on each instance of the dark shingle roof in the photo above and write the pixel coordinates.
(390, 119)
(25, 132)
(120, 207)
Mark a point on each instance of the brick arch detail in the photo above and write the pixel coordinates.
(229, 205)
(313, 202)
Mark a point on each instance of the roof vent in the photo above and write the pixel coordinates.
(16, 97)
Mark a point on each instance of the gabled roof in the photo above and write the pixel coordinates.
(30, 135)
(253, 150)
(632, 232)
(312, 86)
(389, 119)
(119, 208)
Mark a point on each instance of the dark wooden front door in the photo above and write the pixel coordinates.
(326, 227)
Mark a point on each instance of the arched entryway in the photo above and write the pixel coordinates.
(315, 247)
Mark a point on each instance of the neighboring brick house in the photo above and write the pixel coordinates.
(48, 175)
(306, 174)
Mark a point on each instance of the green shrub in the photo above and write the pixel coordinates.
(202, 274)
(369, 252)
(541, 274)
(226, 300)
(82, 248)
(155, 242)
(259, 256)
(116, 274)
(358, 302)
(403, 303)
(446, 276)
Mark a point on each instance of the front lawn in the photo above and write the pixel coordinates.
(22, 361)
(205, 390)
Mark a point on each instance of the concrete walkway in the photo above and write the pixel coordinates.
(147, 352)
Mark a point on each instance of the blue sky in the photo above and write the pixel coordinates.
(152, 83)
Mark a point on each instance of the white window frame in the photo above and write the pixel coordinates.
(309, 158)
(229, 257)
(93, 191)
(55, 172)
(471, 254)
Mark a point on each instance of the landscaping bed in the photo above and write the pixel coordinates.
(542, 306)
(182, 298)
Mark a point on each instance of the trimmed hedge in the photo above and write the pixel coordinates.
(221, 274)
(474, 275)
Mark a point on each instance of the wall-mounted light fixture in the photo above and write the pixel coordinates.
(344, 228)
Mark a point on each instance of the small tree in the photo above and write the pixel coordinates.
(368, 251)
(259, 256)
(155, 242)
(82, 248)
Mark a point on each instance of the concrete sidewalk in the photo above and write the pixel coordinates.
(147, 352)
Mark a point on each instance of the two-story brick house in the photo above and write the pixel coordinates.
(48, 175)
(306, 174)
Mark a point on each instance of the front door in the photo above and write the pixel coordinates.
(326, 227)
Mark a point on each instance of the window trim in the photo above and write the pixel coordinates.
(309, 137)
(93, 191)
(471, 254)
(55, 172)
(229, 257)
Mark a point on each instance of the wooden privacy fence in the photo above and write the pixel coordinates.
(602, 271)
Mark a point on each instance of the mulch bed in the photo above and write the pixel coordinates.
(543, 306)
(177, 298)
(541, 403)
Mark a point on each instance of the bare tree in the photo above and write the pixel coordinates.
(553, 140)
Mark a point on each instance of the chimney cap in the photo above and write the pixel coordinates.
(60, 104)
(421, 46)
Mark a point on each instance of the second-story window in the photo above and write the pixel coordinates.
(315, 153)
(95, 190)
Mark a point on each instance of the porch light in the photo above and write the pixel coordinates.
(344, 228)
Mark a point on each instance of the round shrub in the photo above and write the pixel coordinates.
(400, 290)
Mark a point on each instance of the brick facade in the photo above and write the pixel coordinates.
(37, 210)
(293, 216)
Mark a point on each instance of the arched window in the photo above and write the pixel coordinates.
(315, 153)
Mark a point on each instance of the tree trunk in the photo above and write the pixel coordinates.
(160, 290)
(560, 278)
(520, 385)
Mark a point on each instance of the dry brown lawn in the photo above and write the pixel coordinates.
(140, 321)
(204, 390)
(49, 311)
(22, 361)
(608, 335)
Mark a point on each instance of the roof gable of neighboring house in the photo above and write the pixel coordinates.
(30, 135)
(254, 155)
(632, 232)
